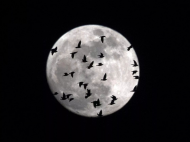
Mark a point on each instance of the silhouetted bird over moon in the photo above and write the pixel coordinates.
(93, 69)
(55, 93)
(53, 50)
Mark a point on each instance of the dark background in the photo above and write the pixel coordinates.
(156, 112)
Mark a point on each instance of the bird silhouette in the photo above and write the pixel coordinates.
(64, 97)
(112, 102)
(113, 97)
(73, 54)
(72, 73)
(134, 72)
(65, 74)
(104, 78)
(55, 93)
(53, 50)
(71, 99)
(79, 44)
(94, 104)
(80, 84)
(100, 113)
(88, 94)
(98, 103)
(99, 64)
(128, 48)
(134, 89)
(136, 77)
(135, 63)
(91, 65)
(101, 55)
(85, 85)
(102, 38)
(84, 59)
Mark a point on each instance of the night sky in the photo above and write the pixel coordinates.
(30, 112)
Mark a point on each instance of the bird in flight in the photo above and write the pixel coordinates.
(135, 71)
(136, 77)
(53, 50)
(104, 78)
(65, 74)
(135, 63)
(113, 97)
(134, 89)
(72, 73)
(64, 97)
(79, 44)
(80, 84)
(100, 113)
(102, 38)
(84, 59)
(88, 94)
(94, 104)
(101, 55)
(128, 48)
(85, 85)
(91, 65)
(72, 54)
(98, 103)
(55, 93)
(99, 64)
(112, 102)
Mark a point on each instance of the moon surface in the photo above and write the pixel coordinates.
(117, 64)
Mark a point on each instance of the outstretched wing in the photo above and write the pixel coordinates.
(105, 76)
(84, 57)
(72, 55)
(135, 63)
(101, 54)
(79, 43)
(91, 63)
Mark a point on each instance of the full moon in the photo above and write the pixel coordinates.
(119, 66)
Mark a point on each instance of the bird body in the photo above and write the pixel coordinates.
(85, 85)
(113, 97)
(55, 93)
(128, 48)
(104, 78)
(99, 64)
(80, 84)
(100, 113)
(73, 54)
(91, 65)
(79, 44)
(112, 102)
(102, 38)
(101, 55)
(135, 63)
(53, 50)
(134, 72)
(65, 74)
(64, 97)
(88, 94)
(84, 59)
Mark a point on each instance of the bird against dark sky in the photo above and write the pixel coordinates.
(99, 64)
(100, 113)
(80, 84)
(84, 59)
(101, 55)
(72, 73)
(102, 38)
(136, 77)
(88, 94)
(55, 93)
(135, 63)
(134, 72)
(134, 89)
(104, 78)
(91, 65)
(112, 102)
(113, 97)
(128, 48)
(53, 50)
(73, 54)
(79, 44)
(65, 74)
(85, 85)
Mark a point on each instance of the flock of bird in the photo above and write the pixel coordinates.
(88, 93)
